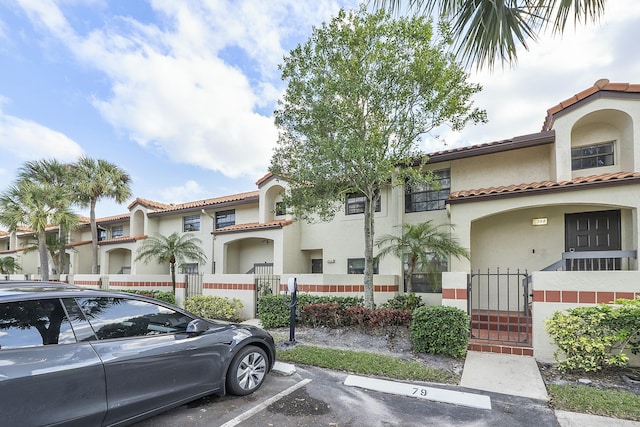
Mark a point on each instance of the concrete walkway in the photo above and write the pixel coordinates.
(520, 376)
(503, 373)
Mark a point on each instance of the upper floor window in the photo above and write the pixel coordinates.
(428, 196)
(281, 209)
(191, 223)
(355, 204)
(225, 218)
(102, 234)
(117, 231)
(592, 156)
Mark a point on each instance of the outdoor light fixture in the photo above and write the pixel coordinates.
(539, 221)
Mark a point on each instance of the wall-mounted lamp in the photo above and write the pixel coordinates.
(539, 221)
(331, 261)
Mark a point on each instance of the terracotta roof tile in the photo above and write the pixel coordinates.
(525, 188)
(210, 202)
(264, 178)
(148, 204)
(600, 85)
(113, 218)
(253, 226)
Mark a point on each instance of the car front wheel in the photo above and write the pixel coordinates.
(247, 371)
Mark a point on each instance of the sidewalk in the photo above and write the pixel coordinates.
(520, 376)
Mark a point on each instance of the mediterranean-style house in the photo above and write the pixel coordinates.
(551, 220)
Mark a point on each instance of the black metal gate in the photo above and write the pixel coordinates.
(498, 303)
(193, 282)
(265, 284)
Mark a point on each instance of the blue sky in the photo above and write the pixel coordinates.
(180, 94)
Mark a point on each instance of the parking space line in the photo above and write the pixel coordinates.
(246, 415)
(421, 392)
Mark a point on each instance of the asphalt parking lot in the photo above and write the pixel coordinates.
(318, 397)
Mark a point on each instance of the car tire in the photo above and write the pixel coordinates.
(247, 371)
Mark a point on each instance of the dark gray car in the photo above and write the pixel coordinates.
(76, 356)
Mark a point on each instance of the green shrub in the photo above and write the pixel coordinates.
(214, 307)
(404, 302)
(440, 329)
(592, 338)
(273, 311)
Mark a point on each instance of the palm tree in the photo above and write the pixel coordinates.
(36, 205)
(57, 247)
(421, 243)
(173, 249)
(94, 180)
(487, 30)
(9, 265)
(52, 172)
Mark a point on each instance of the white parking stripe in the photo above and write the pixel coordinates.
(421, 392)
(246, 415)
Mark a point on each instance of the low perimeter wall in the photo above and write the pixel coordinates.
(556, 291)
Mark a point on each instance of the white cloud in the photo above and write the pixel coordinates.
(186, 192)
(554, 69)
(171, 87)
(28, 140)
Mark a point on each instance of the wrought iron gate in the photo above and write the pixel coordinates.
(498, 303)
(193, 282)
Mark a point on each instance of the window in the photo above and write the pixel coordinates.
(225, 218)
(592, 156)
(428, 196)
(356, 266)
(117, 231)
(428, 277)
(191, 223)
(189, 268)
(102, 234)
(281, 209)
(316, 266)
(34, 323)
(124, 318)
(355, 204)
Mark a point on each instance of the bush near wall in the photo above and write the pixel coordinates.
(159, 295)
(593, 338)
(440, 329)
(274, 310)
(214, 307)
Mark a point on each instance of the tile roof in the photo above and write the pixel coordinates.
(248, 197)
(123, 239)
(253, 226)
(518, 142)
(602, 86)
(526, 189)
(148, 204)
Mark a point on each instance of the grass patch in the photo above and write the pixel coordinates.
(364, 363)
(591, 400)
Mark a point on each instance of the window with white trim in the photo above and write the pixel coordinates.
(428, 196)
(117, 231)
(592, 156)
(191, 223)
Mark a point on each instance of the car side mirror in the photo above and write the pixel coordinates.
(197, 327)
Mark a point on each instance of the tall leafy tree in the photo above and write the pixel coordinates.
(361, 93)
(36, 205)
(95, 180)
(420, 244)
(491, 30)
(175, 248)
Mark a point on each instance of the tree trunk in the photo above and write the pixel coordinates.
(44, 256)
(172, 268)
(369, 210)
(94, 237)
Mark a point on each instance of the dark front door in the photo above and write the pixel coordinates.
(593, 231)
